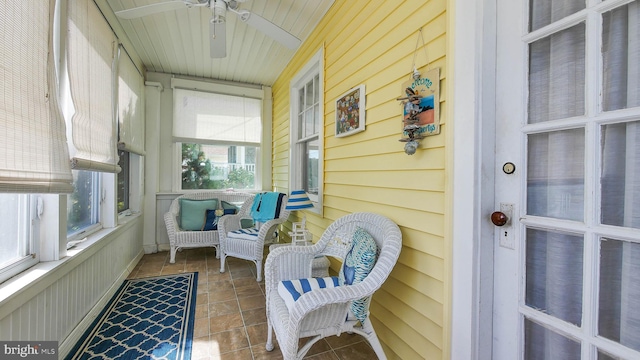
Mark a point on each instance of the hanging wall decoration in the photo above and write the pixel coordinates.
(350, 112)
(421, 107)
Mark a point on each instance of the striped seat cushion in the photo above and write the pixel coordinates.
(246, 234)
(291, 290)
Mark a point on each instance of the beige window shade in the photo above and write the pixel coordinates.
(33, 146)
(130, 105)
(90, 54)
(210, 118)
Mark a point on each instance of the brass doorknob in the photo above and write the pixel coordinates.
(498, 218)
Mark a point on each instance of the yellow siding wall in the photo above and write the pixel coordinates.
(373, 43)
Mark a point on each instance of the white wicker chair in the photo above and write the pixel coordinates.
(179, 238)
(323, 312)
(248, 249)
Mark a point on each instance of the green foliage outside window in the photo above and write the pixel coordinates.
(199, 173)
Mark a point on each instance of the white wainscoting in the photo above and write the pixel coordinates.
(71, 291)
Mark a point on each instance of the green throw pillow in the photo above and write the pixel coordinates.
(192, 212)
(246, 223)
(357, 265)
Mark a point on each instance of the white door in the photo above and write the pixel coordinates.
(567, 263)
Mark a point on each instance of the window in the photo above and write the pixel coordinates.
(219, 138)
(123, 181)
(83, 205)
(21, 251)
(307, 130)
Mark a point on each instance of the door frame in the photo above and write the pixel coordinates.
(472, 60)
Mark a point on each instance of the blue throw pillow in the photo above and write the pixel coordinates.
(212, 217)
(229, 206)
(358, 263)
(192, 212)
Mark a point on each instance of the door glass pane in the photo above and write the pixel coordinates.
(620, 174)
(557, 75)
(555, 176)
(619, 317)
(542, 343)
(544, 12)
(621, 57)
(554, 274)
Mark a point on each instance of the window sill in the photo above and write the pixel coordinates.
(19, 289)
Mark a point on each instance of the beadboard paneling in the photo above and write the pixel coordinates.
(52, 307)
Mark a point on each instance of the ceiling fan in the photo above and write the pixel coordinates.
(217, 23)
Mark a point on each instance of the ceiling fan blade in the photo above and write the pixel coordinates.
(270, 29)
(217, 40)
(151, 9)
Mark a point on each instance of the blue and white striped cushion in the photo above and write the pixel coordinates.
(246, 234)
(291, 290)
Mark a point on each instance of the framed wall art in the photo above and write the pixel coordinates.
(350, 112)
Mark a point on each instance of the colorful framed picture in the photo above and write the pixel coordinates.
(350, 110)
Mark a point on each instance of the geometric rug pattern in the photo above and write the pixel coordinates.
(148, 318)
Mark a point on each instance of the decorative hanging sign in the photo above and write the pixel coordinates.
(421, 108)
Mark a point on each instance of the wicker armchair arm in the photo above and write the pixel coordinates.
(171, 223)
(288, 263)
(229, 223)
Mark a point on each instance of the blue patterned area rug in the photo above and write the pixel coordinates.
(149, 318)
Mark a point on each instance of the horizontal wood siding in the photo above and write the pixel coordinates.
(373, 43)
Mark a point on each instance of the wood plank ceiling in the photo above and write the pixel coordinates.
(177, 41)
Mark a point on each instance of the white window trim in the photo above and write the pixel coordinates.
(263, 171)
(28, 212)
(313, 66)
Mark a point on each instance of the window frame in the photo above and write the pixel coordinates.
(313, 68)
(124, 161)
(98, 199)
(27, 208)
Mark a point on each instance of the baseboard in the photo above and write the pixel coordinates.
(164, 247)
(75, 335)
(150, 249)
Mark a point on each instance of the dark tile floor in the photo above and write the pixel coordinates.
(230, 314)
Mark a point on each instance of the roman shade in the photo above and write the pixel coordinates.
(210, 118)
(33, 145)
(91, 47)
(130, 106)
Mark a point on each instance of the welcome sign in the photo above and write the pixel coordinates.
(422, 104)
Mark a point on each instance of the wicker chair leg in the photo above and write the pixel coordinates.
(370, 334)
(172, 258)
(222, 259)
(258, 270)
(269, 345)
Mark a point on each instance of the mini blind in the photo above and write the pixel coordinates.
(210, 118)
(33, 145)
(90, 54)
(130, 107)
